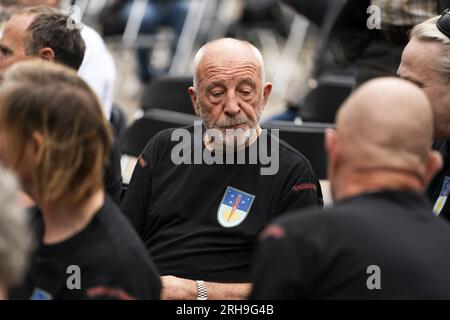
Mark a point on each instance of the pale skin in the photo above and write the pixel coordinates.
(14, 40)
(382, 140)
(418, 66)
(13, 44)
(229, 94)
(174, 288)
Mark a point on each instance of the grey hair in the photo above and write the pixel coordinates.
(428, 31)
(201, 52)
(15, 235)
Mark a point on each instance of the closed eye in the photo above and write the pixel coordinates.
(5, 51)
(416, 82)
(217, 94)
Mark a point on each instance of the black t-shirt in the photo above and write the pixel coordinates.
(113, 263)
(184, 213)
(333, 254)
(439, 188)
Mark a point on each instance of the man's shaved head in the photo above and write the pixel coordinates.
(387, 122)
(385, 125)
(226, 50)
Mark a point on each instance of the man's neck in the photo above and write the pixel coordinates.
(62, 222)
(356, 184)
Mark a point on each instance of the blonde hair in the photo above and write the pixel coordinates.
(428, 31)
(51, 99)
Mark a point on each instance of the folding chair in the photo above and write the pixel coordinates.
(168, 93)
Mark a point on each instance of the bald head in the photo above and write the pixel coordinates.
(383, 132)
(387, 122)
(225, 52)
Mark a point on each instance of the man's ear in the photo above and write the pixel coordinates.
(195, 104)
(434, 164)
(332, 146)
(266, 93)
(35, 148)
(47, 54)
(330, 141)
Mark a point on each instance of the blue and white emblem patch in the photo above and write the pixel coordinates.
(234, 207)
(39, 294)
(442, 199)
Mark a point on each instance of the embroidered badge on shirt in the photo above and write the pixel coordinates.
(39, 294)
(440, 202)
(234, 207)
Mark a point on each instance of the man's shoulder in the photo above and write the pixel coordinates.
(291, 157)
(165, 135)
(163, 139)
(314, 220)
(364, 210)
(288, 151)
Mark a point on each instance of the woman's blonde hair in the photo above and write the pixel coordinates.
(51, 99)
(428, 31)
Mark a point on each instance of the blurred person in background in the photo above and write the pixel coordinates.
(380, 240)
(15, 237)
(426, 62)
(98, 68)
(41, 32)
(372, 40)
(367, 36)
(86, 247)
(158, 13)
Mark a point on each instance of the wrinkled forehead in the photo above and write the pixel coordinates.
(419, 57)
(229, 56)
(15, 34)
(228, 71)
(20, 22)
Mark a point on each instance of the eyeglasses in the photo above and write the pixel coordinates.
(443, 24)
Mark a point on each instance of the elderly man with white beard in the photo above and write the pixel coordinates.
(198, 220)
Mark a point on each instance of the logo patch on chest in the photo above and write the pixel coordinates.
(442, 199)
(234, 207)
(39, 294)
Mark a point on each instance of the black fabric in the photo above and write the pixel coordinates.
(113, 262)
(113, 172)
(442, 5)
(435, 187)
(313, 10)
(351, 42)
(380, 58)
(109, 18)
(325, 255)
(174, 208)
